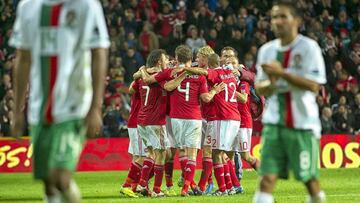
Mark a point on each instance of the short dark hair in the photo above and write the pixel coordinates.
(183, 53)
(154, 57)
(229, 48)
(290, 4)
(214, 60)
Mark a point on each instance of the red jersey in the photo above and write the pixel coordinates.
(153, 104)
(244, 108)
(207, 111)
(162, 76)
(185, 100)
(225, 103)
(135, 106)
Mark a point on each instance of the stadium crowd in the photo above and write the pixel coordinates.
(137, 27)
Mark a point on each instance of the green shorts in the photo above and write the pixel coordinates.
(285, 148)
(56, 146)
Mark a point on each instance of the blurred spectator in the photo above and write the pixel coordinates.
(343, 120)
(195, 41)
(166, 21)
(327, 121)
(356, 113)
(132, 60)
(148, 40)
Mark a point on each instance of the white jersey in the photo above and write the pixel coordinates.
(290, 106)
(60, 35)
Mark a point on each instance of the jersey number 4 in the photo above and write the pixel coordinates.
(186, 90)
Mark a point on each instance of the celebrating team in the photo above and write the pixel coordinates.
(176, 106)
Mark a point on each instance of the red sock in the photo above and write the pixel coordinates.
(219, 175)
(159, 173)
(227, 177)
(169, 168)
(233, 176)
(255, 164)
(210, 180)
(151, 175)
(205, 173)
(145, 172)
(189, 174)
(183, 161)
(190, 171)
(133, 175)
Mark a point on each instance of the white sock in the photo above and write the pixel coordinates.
(263, 197)
(72, 195)
(52, 199)
(319, 198)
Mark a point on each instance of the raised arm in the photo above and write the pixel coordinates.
(241, 97)
(174, 83)
(196, 71)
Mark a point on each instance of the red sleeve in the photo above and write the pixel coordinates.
(203, 88)
(244, 87)
(163, 75)
(162, 84)
(212, 75)
(135, 85)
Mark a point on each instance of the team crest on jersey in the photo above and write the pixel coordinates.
(70, 18)
(297, 61)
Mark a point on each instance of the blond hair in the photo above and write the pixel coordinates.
(205, 51)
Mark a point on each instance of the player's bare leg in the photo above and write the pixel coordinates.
(255, 163)
(315, 193)
(62, 179)
(52, 194)
(267, 184)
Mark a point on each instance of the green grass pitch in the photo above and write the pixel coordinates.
(340, 186)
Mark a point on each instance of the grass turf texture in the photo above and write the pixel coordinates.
(340, 185)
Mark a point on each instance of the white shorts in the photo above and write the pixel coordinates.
(170, 141)
(223, 134)
(187, 132)
(136, 145)
(205, 139)
(243, 143)
(153, 135)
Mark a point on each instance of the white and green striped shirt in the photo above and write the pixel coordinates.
(290, 106)
(60, 35)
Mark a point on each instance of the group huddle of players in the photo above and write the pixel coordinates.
(176, 106)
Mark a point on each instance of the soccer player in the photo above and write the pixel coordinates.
(186, 116)
(245, 131)
(151, 125)
(206, 173)
(224, 124)
(62, 50)
(136, 145)
(290, 69)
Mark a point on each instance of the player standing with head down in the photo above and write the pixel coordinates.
(290, 69)
(61, 48)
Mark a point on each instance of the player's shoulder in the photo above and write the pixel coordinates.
(27, 5)
(306, 43)
(270, 46)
